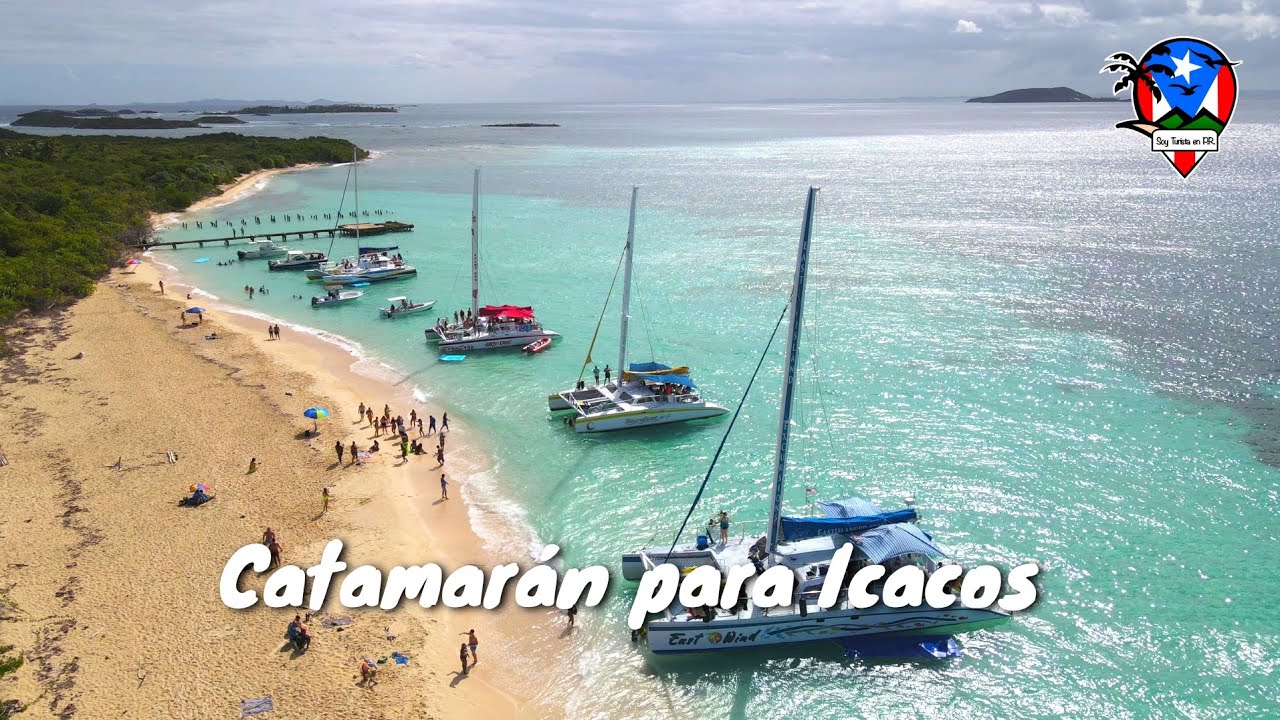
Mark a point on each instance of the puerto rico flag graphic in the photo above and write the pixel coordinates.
(1185, 84)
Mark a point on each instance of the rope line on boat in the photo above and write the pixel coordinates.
(583, 370)
(337, 219)
(737, 411)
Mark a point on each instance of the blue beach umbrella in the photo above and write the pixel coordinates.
(195, 310)
(316, 414)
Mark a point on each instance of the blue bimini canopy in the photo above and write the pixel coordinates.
(852, 507)
(890, 541)
(658, 373)
(794, 529)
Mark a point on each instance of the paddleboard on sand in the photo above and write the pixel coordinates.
(201, 260)
(452, 358)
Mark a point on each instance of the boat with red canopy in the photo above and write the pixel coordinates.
(491, 326)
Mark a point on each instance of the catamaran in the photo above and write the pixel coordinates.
(261, 248)
(807, 547)
(366, 267)
(646, 394)
(298, 260)
(401, 306)
(491, 326)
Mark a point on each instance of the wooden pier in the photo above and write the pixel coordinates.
(285, 235)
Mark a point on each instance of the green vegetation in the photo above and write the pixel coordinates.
(69, 205)
(105, 120)
(219, 120)
(294, 110)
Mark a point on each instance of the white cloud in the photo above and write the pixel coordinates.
(967, 27)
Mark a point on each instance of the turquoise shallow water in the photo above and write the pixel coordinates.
(1065, 356)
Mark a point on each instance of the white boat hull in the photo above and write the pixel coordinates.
(629, 419)
(370, 277)
(684, 636)
(494, 342)
(386, 313)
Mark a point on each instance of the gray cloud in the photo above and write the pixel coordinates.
(410, 50)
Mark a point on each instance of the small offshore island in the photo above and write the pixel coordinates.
(1038, 95)
(309, 109)
(90, 119)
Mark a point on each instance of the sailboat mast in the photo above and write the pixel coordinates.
(626, 287)
(355, 174)
(475, 247)
(789, 378)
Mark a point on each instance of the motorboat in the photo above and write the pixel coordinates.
(335, 296)
(491, 326)
(260, 248)
(298, 260)
(401, 306)
(806, 546)
(646, 394)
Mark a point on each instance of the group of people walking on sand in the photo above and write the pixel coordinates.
(273, 332)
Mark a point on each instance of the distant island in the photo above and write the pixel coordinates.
(306, 109)
(1038, 95)
(89, 119)
(219, 120)
(521, 125)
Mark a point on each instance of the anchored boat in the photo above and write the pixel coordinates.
(491, 326)
(401, 306)
(298, 260)
(646, 394)
(335, 296)
(806, 546)
(261, 248)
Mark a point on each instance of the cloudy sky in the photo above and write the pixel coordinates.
(79, 51)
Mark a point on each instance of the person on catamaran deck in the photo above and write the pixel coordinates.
(724, 526)
(607, 374)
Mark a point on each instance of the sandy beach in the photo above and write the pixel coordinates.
(109, 588)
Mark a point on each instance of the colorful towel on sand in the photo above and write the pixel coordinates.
(337, 622)
(253, 706)
(400, 658)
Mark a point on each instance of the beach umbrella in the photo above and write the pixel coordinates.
(196, 310)
(133, 261)
(316, 414)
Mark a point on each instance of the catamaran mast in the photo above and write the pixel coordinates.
(355, 174)
(475, 248)
(626, 287)
(789, 379)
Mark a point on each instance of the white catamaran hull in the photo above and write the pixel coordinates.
(681, 636)
(642, 418)
(372, 276)
(468, 344)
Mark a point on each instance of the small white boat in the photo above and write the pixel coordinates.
(259, 249)
(333, 297)
(298, 260)
(403, 306)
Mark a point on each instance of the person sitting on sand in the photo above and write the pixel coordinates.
(299, 634)
(253, 465)
(211, 336)
(374, 447)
